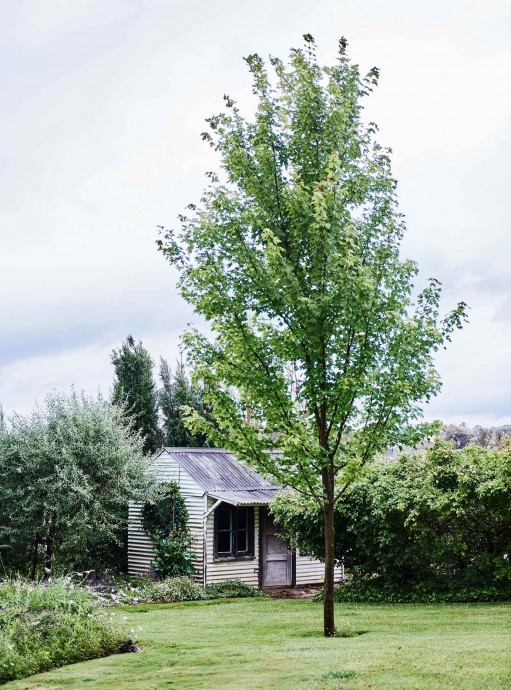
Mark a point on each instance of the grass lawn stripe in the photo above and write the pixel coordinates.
(268, 643)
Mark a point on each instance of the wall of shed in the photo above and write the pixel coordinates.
(140, 546)
(309, 571)
(245, 570)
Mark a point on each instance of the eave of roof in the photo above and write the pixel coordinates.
(244, 498)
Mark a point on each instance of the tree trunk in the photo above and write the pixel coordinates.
(328, 513)
(34, 558)
(328, 592)
(48, 556)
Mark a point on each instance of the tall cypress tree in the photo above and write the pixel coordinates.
(134, 386)
(179, 392)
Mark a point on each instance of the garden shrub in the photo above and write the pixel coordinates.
(372, 590)
(170, 590)
(44, 626)
(429, 526)
(67, 473)
(149, 591)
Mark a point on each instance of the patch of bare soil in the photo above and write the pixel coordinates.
(293, 592)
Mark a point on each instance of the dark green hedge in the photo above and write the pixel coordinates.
(423, 526)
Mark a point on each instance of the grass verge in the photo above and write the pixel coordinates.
(267, 643)
(47, 626)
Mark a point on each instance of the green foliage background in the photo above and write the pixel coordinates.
(419, 526)
(67, 472)
(179, 391)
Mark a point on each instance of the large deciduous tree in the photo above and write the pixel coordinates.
(134, 387)
(293, 258)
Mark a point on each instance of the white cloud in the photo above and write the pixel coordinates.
(101, 142)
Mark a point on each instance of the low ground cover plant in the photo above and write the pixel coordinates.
(373, 590)
(145, 590)
(231, 588)
(47, 625)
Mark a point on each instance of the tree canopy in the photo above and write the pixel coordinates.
(293, 257)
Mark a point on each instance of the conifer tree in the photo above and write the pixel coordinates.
(177, 394)
(134, 387)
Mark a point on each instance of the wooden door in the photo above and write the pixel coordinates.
(277, 555)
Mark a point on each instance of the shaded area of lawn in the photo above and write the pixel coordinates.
(266, 643)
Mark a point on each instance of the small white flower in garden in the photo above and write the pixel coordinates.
(140, 627)
(125, 618)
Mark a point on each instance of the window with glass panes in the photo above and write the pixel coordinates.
(234, 531)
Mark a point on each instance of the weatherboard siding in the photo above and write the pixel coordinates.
(140, 546)
(309, 571)
(237, 569)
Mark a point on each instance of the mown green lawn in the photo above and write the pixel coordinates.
(267, 643)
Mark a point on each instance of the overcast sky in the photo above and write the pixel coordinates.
(103, 104)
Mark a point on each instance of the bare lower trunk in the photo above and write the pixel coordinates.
(34, 558)
(328, 600)
(48, 555)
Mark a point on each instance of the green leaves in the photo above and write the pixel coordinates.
(67, 471)
(165, 519)
(293, 257)
(438, 518)
(178, 398)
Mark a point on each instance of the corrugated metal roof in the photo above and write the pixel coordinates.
(217, 469)
(245, 498)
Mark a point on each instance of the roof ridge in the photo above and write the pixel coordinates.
(186, 449)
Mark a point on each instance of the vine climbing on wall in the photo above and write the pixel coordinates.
(165, 520)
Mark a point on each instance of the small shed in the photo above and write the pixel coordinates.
(233, 533)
